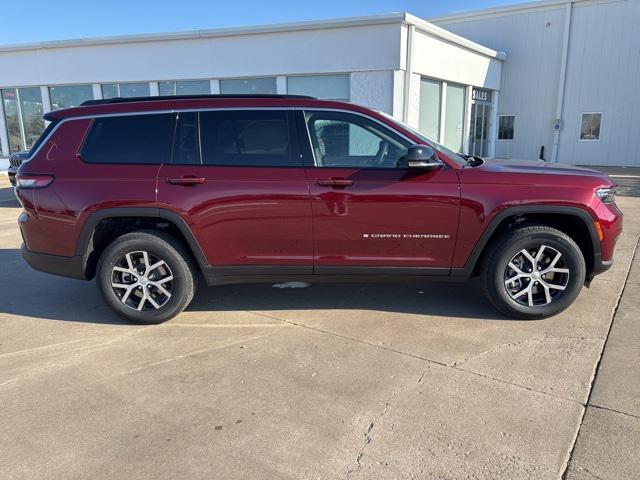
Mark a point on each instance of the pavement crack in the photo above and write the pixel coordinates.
(200, 351)
(357, 340)
(506, 382)
(493, 349)
(368, 432)
(613, 410)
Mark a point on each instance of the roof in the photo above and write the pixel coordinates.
(389, 18)
(193, 102)
(519, 8)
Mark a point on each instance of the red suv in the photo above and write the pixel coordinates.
(149, 195)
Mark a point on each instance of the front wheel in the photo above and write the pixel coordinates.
(146, 277)
(533, 272)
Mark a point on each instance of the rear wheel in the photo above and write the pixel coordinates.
(146, 277)
(533, 272)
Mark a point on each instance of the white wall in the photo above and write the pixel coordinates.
(356, 48)
(533, 44)
(445, 61)
(373, 90)
(603, 75)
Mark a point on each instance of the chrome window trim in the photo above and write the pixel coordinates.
(180, 110)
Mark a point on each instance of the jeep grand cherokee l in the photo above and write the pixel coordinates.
(149, 195)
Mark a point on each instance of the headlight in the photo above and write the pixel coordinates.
(607, 195)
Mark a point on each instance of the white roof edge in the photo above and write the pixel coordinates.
(446, 35)
(494, 11)
(404, 18)
(211, 33)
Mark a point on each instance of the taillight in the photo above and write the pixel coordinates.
(33, 181)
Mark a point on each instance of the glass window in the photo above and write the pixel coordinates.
(23, 112)
(109, 90)
(430, 99)
(347, 140)
(138, 89)
(590, 127)
(143, 139)
(245, 138)
(184, 87)
(12, 119)
(67, 96)
(506, 127)
(454, 117)
(265, 86)
(185, 144)
(325, 87)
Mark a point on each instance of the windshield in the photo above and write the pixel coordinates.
(456, 157)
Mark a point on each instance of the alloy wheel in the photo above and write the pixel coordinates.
(536, 276)
(142, 281)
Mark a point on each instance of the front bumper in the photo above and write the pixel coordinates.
(72, 267)
(11, 173)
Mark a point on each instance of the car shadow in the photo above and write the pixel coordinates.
(29, 293)
(8, 199)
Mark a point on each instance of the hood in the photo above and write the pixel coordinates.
(534, 172)
(538, 167)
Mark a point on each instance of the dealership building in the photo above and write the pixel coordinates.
(555, 79)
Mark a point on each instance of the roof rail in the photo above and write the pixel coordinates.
(185, 97)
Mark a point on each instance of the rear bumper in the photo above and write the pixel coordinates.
(72, 267)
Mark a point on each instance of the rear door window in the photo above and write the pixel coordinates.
(258, 138)
(134, 139)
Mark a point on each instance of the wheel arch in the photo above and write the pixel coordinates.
(103, 226)
(574, 221)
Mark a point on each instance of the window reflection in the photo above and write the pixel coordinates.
(184, 87)
(325, 87)
(135, 89)
(259, 86)
(23, 112)
(67, 96)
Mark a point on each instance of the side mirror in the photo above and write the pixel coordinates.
(422, 157)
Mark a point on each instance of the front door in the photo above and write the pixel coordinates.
(371, 214)
(236, 177)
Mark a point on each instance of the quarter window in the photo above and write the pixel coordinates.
(138, 139)
(347, 140)
(245, 138)
(506, 127)
(590, 126)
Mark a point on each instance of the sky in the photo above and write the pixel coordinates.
(25, 21)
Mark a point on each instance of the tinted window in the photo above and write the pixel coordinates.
(245, 138)
(185, 144)
(130, 139)
(347, 140)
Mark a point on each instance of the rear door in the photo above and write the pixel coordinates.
(371, 214)
(237, 179)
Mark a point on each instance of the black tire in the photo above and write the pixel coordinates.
(495, 271)
(178, 266)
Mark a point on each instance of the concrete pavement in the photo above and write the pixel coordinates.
(331, 381)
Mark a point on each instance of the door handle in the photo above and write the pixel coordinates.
(336, 182)
(186, 180)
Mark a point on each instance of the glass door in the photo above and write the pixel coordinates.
(480, 121)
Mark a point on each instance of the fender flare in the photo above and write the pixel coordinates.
(95, 218)
(496, 221)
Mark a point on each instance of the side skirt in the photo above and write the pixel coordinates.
(228, 275)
